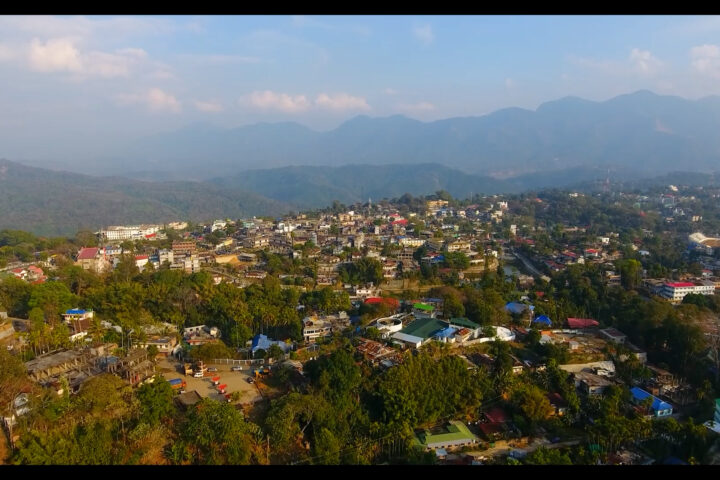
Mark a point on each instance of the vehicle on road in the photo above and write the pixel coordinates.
(198, 375)
(177, 383)
(236, 369)
(212, 369)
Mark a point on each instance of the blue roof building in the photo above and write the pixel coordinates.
(659, 408)
(445, 333)
(518, 308)
(261, 341)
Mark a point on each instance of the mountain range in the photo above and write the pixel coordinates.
(204, 171)
(643, 131)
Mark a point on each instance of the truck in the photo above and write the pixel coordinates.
(177, 383)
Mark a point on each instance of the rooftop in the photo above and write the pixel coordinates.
(453, 432)
(424, 327)
(87, 253)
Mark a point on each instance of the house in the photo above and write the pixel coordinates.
(590, 383)
(453, 434)
(315, 327)
(558, 403)
(578, 323)
(141, 261)
(79, 321)
(262, 342)
(613, 335)
(93, 259)
(493, 423)
(164, 345)
(374, 352)
(658, 407)
(77, 314)
(518, 308)
(423, 309)
(188, 399)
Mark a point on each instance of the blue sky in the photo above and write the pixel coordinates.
(78, 85)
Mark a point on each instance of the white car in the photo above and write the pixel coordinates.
(198, 375)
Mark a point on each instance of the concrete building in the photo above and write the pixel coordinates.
(676, 291)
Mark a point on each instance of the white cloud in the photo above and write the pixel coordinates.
(208, 106)
(706, 60)
(155, 99)
(417, 107)
(644, 62)
(159, 101)
(268, 99)
(424, 33)
(341, 101)
(62, 55)
(55, 55)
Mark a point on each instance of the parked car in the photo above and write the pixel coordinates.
(198, 375)
(250, 380)
(236, 369)
(212, 369)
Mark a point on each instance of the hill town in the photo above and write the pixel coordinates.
(552, 327)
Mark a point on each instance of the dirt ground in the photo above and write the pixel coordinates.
(236, 381)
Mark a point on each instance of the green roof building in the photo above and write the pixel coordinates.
(424, 307)
(454, 434)
(464, 322)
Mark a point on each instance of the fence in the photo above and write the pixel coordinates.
(254, 361)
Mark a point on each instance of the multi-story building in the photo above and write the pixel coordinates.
(93, 259)
(183, 248)
(315, 327)
(128, 232)
(676, 291)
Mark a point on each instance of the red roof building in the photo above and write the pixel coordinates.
(87, 253)
(582, 322)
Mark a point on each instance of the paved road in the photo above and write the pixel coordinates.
(527, 264)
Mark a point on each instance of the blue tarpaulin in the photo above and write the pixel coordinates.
(516, 307)
(543, 319)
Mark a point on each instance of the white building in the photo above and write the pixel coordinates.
(412, 242)
(676, 291)
(129, 232)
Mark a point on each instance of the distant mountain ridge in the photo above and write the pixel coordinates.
(47, 202)
(643, 131)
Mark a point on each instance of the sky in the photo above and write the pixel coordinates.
(76, 86)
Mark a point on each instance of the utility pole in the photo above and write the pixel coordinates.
(267, 450)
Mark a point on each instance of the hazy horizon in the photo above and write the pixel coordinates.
(75, 86)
